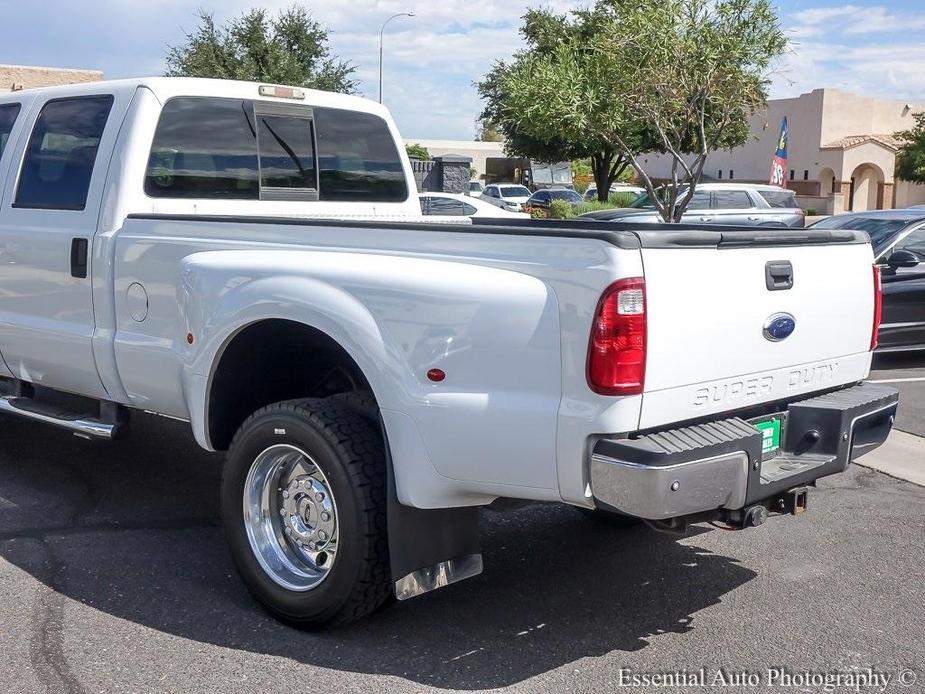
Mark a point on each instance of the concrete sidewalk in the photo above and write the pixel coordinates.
(902, 456)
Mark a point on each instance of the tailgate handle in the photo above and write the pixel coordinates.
(778, 275)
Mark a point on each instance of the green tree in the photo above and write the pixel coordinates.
(910, 159)
(486, 131)
(417, 151)
(290, 48)
(681, 77)
(590, 130)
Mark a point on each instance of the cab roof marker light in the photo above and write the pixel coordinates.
(281, 92)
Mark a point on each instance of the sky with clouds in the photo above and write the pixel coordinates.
(432, 60)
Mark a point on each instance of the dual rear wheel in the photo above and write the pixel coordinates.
(304, 509)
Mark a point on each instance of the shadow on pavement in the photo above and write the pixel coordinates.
(130, 528)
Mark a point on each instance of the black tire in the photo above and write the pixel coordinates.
(362, 402)
(349, 450)
(609, 519)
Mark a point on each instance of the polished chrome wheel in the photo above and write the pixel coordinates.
(291, 517)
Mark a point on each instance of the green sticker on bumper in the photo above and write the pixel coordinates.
(770, 435)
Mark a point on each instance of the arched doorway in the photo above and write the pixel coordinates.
(826, 182)
(866, 188)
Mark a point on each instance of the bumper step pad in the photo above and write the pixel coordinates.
(823, 434)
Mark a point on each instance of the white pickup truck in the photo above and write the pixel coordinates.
(169, 245)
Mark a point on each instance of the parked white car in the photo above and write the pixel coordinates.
(214, 251)
(507, 196)
(453, 205)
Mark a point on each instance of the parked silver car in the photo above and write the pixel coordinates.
(721, 203)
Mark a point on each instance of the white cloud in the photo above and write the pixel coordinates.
(432, 60)
(854, 20)
(869, 50)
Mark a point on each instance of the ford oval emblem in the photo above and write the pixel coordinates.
(779, 327)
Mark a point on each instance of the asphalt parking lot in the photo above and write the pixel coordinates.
(114, 578)
(905, 371)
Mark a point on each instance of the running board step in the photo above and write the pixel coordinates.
(80, 424)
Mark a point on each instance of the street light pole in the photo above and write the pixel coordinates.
(400, 14)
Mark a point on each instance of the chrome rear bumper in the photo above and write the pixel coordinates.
(669, 491)
(718, 465)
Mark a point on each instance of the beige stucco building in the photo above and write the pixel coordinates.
(842, 151)
(16, 77)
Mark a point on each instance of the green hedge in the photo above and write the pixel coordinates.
(615, 201)
(561, 209)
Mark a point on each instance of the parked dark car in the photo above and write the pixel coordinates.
(898, 238)
(543, 198)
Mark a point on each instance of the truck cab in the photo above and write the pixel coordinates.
(197, 147)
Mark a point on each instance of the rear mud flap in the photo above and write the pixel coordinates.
(430, 548)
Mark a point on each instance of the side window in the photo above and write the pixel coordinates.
(468, 209)
(204, 148)
(357, 158)
(732, 200)
(445, 206)
(8, 114)
(62, 148)
(700, 201)
(286, 148)
(914, 242)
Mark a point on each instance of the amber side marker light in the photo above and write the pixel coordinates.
(281, 92)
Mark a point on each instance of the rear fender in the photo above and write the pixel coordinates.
(495, 331)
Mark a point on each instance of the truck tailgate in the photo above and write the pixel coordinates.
(712, 341)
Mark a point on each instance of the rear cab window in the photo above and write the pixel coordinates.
(357, 158)
(206, 147)
(61, 153)
(286, 152)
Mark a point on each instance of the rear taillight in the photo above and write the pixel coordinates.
(878, 308)
(617, 353)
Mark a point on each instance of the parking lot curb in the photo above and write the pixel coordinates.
(902, 457)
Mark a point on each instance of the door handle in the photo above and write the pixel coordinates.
(79, 257)
(754, 219)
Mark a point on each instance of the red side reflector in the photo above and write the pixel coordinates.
(617, 352)
(436, 375)
(878, 308)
